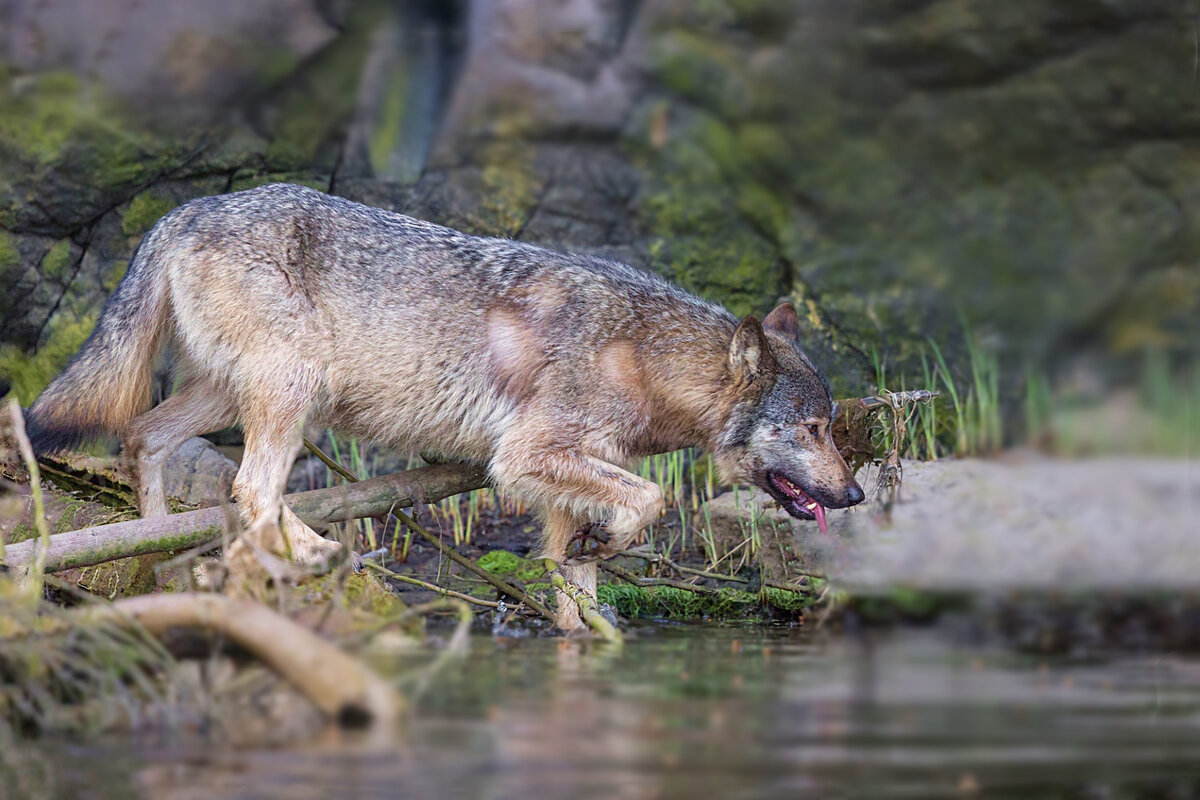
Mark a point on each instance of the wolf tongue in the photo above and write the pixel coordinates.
(818, 511)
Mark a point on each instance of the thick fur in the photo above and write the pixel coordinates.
(108, 382)
(287, 305)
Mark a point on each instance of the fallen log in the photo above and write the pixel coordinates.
(368, 498)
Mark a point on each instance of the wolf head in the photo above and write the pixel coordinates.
(779, 432)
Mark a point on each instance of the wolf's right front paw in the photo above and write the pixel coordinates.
(588, 545)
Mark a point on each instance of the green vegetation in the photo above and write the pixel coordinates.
(144, 210)
(56, 119)
(502, 562)
(27, 373)
(56, 264)
(668, 602)
(9, 255)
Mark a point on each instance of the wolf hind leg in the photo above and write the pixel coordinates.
(197, 407)
(272, 422)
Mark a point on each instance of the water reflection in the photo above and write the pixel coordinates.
(689, 712)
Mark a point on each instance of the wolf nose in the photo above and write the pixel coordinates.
(854, 495)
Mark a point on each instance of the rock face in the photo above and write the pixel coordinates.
(889, 165)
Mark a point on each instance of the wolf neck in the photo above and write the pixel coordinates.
(688, 392)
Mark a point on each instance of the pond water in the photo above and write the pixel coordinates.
(706, 711)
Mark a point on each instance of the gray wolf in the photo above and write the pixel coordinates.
(287, 306)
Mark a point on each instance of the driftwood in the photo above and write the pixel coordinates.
(368, 498)
(338, 684)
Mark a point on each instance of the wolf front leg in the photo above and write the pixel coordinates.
(559, 526)
(574, 489)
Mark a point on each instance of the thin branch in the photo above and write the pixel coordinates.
(659, 558)
(328, 461)
(626, 575)
(382, 570)
(35, 487)
(463, 561)
(791, 587)
(176, 532)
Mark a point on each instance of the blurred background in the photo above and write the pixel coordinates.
(998, 195)
(997, 201)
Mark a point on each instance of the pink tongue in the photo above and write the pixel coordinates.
(819, 511)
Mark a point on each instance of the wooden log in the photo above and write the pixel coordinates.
(90, 546)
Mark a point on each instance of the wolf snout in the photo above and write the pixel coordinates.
(851, 496)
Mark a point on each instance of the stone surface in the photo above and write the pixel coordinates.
(1025, 523)
(197, 474)
(894, 167)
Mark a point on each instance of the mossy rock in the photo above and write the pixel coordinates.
(145, 210)
(71, 145)
(28, 373)
(362, 592)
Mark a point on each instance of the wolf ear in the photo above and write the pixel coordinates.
(783, 320)
(749, 356)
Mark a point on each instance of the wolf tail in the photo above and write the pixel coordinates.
(108, 382)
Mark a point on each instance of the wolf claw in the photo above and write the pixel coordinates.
(593, 533)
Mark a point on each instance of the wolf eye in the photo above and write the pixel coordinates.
(812, 428)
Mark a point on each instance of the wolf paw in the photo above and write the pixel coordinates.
(589, 544)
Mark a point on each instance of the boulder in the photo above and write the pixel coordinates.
(198, 474)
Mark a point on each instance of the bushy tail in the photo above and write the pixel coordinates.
(108, 382)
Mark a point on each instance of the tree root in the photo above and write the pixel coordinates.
(338, 684)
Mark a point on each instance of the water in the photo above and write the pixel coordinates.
(712, 712)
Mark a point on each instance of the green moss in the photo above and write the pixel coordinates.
(366, 592)
(125, 577)
(509, 191)
(362, 592)
(73, 146)
(114, 275)
(668, 602)
(22, 532)
(28, 373)
(502, 562)
(787, 601)
(145, 210)
(10, 256)
(57, 262)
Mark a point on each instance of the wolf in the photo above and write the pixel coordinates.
(285, 306)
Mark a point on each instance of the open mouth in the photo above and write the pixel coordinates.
(795, 501)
